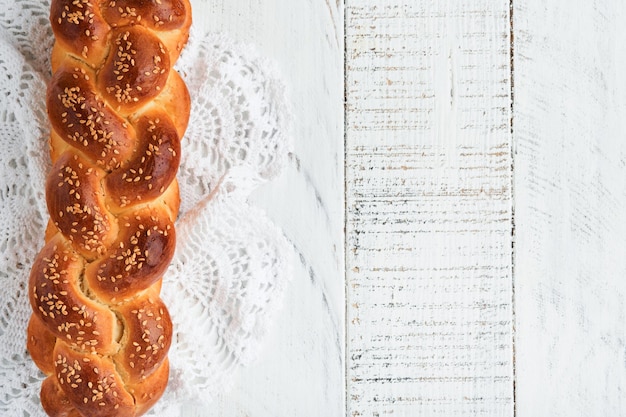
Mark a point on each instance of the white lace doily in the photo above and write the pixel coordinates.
(228, 275)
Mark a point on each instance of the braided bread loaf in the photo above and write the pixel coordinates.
(117, 110)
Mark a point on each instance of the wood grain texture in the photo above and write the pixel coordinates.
(428, 208)
(301, 370)
(570, 188)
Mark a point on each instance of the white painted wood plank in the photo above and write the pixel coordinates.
(429, 208)
(301, 372)
(570, 187)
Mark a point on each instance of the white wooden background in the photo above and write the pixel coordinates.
(301, 372)
(484, 150)
(569, 133)
(479, 176)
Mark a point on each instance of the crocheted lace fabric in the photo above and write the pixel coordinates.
(230, 268)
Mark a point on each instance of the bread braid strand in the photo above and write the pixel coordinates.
(117, 110)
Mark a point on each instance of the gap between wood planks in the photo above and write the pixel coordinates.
(345, 208)
(513, 300)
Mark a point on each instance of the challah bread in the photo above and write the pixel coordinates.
(117, 112)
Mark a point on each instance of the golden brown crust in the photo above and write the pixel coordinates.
(117, 111)
(136, 260)
(158, 15)
(91, 383)
(175, 98)
(148, 173)
(40, 344)
(61, 305)
(170, 20)
(54, 401)
(148, 391)
(76, 204)
(81, 117)
(80, 28)
(135, 70)
(147, 326)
